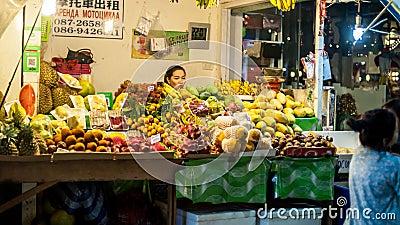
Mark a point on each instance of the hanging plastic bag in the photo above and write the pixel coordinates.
(157, 39)
(144, 23)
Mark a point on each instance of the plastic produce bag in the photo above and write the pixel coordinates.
(144, 23)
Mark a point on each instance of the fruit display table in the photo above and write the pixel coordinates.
(47, 170)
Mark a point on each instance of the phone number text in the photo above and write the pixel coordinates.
(82, 27)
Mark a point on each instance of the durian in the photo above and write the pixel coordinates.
(48, 75)
(45, 99)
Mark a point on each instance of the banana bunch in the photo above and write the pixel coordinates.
(242, 88)
(284, 5)
(171, 91)
(224, 88)
(206, 3)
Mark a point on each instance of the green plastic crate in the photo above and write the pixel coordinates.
(307, 178)
(241, 183)
(308, 124)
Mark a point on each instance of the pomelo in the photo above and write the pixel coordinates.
(47, 207)
(87, 88)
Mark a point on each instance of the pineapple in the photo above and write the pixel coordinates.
(40, 142)
(8, 136)
(26, 142)
(17, 116)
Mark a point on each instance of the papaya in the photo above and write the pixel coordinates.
(27, 98)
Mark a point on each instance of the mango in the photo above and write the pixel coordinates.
(309, 111)
(290, 130)
(282, 128)
(261, 98)
(291, 118)
(288, 111)
(277, 104)
(281, 98)
(271, 94)
(270, 121)
(297, 128)
(290, 104)
(255, 118)
(260, 112)
(289, 97)
(281, 118)
(279, 134)
(270, 112)
(269, 130)
(299, 112)
(261, 125)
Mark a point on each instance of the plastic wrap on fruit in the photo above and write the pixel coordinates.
(97, 102)
(42, 124)
(242, 116)
(254, 135)
(223, 122)
(232, 145)
(99, 120)
(237, 132)
(61, 112)
(264, 144)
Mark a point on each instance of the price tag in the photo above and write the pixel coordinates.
(100, 19)
(150, 88)
(155, 138)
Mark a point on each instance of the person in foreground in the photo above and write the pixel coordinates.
(175, 76)
(374, 177)
(393, 105)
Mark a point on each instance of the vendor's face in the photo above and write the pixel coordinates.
(177, 79)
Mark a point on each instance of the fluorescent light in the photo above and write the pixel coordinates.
(358, 33)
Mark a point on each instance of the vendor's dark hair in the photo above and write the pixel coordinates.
(393, 104)
(171, 70)
(376, 128)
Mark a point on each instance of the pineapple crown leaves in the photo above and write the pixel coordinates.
(17, 118)
(7, 132)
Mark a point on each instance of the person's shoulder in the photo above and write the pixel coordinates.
(393, 158)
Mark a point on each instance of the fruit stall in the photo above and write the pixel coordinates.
(220, 143)
(80, 135)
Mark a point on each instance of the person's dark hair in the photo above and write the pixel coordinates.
(393, 104)
(376, 128)
(171, 70)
